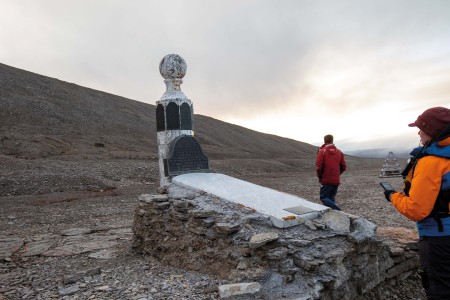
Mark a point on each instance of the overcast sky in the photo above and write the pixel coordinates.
(360, 70)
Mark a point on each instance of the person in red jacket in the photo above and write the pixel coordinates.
(330, 164)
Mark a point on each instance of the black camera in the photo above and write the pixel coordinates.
(386, 186)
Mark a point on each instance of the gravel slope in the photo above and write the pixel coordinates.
(42, 198)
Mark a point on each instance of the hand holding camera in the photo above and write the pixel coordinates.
(388, 190)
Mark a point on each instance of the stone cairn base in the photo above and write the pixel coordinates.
(391, 167)
(336, 256)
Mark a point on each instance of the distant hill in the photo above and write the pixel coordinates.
(379, 153)
(46, 117)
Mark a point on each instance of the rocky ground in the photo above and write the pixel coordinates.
(66, 225)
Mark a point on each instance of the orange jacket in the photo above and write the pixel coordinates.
(425, 186)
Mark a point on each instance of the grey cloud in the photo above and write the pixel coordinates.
(244, 57)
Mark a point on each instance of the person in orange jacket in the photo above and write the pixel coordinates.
(330, 164)
(426, 198)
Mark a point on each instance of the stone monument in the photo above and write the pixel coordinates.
(391, 168)
(178, 150)
(265, 243)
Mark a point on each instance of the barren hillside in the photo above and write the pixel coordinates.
(44, 117)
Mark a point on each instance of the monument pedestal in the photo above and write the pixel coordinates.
(333, 256)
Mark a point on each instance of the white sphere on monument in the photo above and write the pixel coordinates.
(172, 66)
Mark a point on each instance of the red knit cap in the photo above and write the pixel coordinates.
(433, 121)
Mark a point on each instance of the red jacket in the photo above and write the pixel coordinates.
(330, 164)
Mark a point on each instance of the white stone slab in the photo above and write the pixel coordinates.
(262, 199)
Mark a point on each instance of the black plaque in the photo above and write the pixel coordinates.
(160, 119)
(186, 117)
(173, 116)
(186, 156)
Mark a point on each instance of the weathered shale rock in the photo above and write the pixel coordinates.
(336, 256)
(250, 289)
(261, 239)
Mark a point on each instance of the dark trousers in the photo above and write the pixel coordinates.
(434, 269)
(328, 195)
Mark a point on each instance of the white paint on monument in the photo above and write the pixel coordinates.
(172, 68)
(262, 199)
